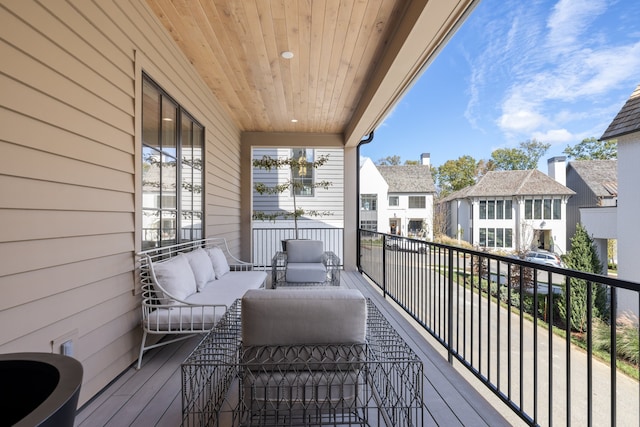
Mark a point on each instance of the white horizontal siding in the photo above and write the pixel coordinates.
(68, 182)
(331, 199)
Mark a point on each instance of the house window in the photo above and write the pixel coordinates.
(414, 226)
(542, 209)
(557, 209)
(417, 202)
(496, 237)
(302, 175)
(491, 209)
(394, 201)
(499, 209)
(508, 209)
(369, 202)
(483, 209)
(172, 170)
(547, 209)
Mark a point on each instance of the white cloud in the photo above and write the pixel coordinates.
(520, 120)
(569, 20)
(555, 136)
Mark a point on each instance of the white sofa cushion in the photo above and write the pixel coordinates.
(202, 267)
(176, 277)
(219, 261)
(228, 288)
(304, 251)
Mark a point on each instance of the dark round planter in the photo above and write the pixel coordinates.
(39, 389)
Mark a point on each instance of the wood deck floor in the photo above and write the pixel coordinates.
(151, 396)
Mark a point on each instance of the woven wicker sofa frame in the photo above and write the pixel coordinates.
(388, 378)
(165, 314)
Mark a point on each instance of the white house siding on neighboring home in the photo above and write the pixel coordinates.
(628, 208)
(70, 182)
(372, 183)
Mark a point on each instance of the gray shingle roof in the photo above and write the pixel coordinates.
(627, 120)
(516, 183)
(408, 178)
(600, 175)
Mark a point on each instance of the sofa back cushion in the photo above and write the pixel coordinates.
(202, 267)
(175, 277)
(304, 251)
(219, 261)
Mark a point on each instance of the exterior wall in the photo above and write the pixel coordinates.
(70, 176)
(406, 214)
(628, 208)
(524, 231)
(323, 200)
(372, 182)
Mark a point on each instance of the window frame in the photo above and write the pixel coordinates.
(309, 178)
(175, 141)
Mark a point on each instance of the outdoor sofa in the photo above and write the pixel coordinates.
(187, 288)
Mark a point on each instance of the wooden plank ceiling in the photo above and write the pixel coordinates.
(342, 51)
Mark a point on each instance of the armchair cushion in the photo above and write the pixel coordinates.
(306, 272)
(304, 251)
(294, 316)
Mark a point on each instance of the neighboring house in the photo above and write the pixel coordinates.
(510, 210)
(625, 127)
(397, 199)
(596, 185)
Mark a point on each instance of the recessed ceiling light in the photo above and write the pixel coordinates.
(294, 120)
(286, 54)
(167, 119)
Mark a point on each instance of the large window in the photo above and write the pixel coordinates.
(495, 209)
(302, 175)
(172, 170)
(543, 208)
(369, 202)
(417, 202)
(496, 237)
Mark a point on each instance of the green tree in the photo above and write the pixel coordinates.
(454, 175)
(592, 149)
(582, 257)
(525, 157)
(389, 161)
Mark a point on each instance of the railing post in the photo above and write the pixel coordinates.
(450, 305)
(384, 266)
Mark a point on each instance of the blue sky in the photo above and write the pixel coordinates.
(556, 71)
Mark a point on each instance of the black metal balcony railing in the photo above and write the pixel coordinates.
(497, 317)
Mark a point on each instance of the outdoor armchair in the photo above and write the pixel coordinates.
(305, 263)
